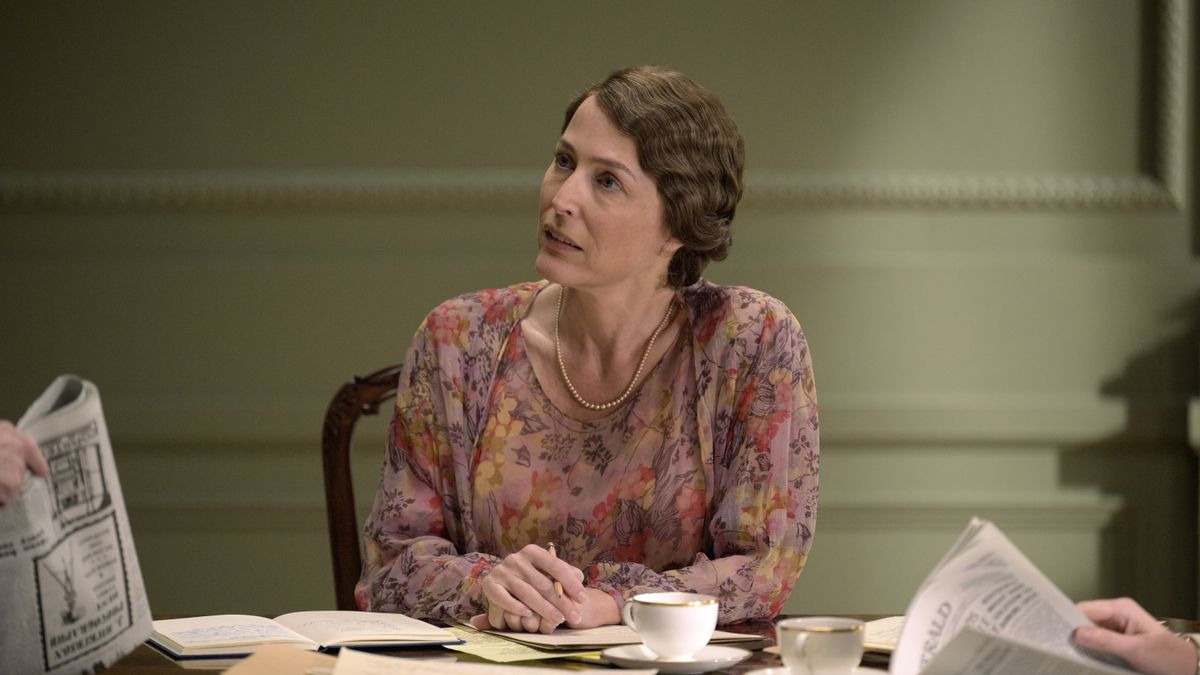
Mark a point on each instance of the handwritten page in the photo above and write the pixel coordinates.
(883, 634)
(333, 627)
(354, 662)
(502, 650)
(226, 630)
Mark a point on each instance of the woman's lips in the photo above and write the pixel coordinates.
(562, 240)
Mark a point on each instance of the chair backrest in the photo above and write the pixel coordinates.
(361, 396)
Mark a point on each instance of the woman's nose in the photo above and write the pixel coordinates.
(566, 198)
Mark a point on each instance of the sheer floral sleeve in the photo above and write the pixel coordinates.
(415, 559)
(764, 465)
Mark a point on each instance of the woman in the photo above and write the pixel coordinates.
(660, 429)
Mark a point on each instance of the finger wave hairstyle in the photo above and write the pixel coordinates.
(691, 147)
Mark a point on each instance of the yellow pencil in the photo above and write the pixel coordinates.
(554, 552)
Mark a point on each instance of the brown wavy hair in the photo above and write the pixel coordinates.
(691, 147)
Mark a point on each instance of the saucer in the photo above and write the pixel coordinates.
(711, 657)
(783, 670)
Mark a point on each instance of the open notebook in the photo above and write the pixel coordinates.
(227, 635)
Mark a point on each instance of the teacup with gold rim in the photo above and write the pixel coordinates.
(672, 625)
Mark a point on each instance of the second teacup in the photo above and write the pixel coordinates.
(672, 625)
(820, 645)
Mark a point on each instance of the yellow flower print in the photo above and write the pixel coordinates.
(778, 375)
(504, 424)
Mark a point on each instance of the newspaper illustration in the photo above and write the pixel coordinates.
(985, 609)
(70, 583)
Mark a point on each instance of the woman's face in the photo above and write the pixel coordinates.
(601, 221)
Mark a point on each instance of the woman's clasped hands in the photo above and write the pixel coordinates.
(520, 595)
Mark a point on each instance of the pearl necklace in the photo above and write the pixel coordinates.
(562, 368)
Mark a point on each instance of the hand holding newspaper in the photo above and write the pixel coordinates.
(985, 609)
(70, 583)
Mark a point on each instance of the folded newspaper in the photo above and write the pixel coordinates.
(70, 583)
(985, 609)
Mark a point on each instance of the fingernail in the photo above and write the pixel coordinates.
(527, 612)
(575, 617)
(558, 618)
(581, 596)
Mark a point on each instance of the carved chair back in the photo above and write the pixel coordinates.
(361, 396)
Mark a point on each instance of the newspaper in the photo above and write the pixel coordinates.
(70, 585)
(985, 609)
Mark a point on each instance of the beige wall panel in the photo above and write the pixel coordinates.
(847, 575)
(277, 569)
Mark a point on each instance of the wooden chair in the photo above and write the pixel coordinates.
(361, 396)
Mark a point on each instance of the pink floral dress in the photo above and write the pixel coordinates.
(706, 479)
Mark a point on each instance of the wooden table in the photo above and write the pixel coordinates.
(146, 661)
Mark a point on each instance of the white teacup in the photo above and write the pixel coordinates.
(820, 645)
(672, 625)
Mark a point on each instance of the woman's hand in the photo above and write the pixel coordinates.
(17, 451)
(599, 609)
(1127, 630)
(521, 596)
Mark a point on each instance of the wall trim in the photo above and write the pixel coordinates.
(970, 419)
(1065, 511)
(1174, 69)
(910, 419)
(1165, 187)
(1194, 424)
(515, 188)
(958, 190)
(241, 516)
(1086, 512)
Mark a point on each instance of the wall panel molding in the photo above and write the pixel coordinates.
(515, 188)
(961, 419)
(1174, 72)
(1083, 512)
(243, 517)
(1164, 186)
(965, 419)
(1194, 424)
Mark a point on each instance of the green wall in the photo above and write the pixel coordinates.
(981, 213)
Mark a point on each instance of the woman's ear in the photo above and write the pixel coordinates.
(669, 247)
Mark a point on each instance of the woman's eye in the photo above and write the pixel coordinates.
(608, 182)
(562, 161)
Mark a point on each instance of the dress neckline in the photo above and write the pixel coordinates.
(616, 413)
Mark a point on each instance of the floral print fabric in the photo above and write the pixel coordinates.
(705, 480)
